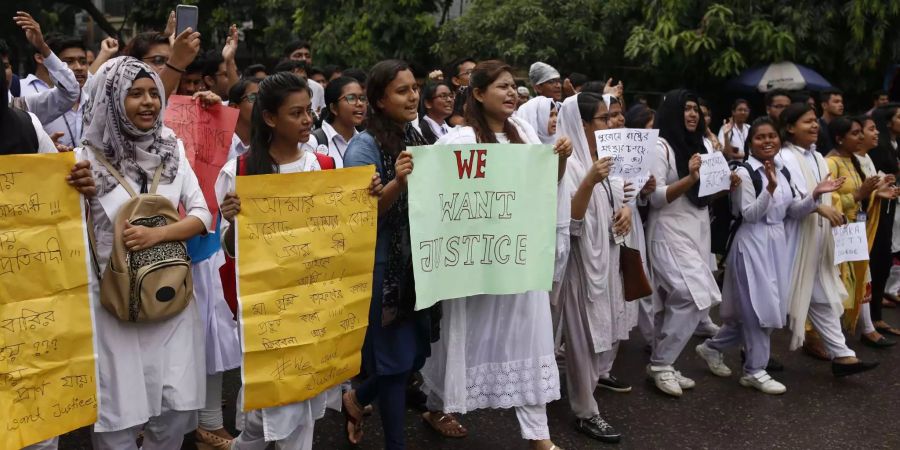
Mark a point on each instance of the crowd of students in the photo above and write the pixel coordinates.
(762, 251)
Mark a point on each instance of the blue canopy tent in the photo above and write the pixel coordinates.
(782, 75)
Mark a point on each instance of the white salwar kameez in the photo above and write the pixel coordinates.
(147, 371)
(595, 314)
(291, 426)
(758, 260)
(678, 247)
(495, 351)
(816, 289)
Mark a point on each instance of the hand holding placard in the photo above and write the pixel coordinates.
(715, 175)
(630, 149)
(850, 243)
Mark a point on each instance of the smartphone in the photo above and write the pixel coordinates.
(186, 16)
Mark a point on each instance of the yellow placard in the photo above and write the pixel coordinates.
(305, 254)
(47, 384)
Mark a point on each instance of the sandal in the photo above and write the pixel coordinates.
(353, 416)
(445, 424)
(206, 440)
(887, 330)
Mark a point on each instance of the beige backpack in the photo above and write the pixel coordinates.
(150, 284)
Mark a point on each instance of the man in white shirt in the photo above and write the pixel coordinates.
(73, 54)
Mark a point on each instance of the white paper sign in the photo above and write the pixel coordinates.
(630, 148)
(850, 243)
(715, 175)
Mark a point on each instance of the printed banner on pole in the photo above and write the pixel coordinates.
(715, 175)
(631, 150)
(206, 133)
(306, 251)
(850, 243)
(482, 219)
(47, 372)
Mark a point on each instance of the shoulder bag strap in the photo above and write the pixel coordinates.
(156, 176)
(115, 173)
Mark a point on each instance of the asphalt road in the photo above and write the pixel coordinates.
(818, 411)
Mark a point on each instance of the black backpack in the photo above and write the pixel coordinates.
(756, 178)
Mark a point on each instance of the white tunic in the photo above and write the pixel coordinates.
(759, 258)
(279, 421)
(495, 351)
(146, 369)
(678, 237)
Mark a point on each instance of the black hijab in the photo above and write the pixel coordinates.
(17, 133)
(670, 121)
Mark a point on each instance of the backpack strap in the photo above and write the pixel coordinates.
(92, 239)
(115, 173)
(320, 136)
(156, 176)
(325, 162)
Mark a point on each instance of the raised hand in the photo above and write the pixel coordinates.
(32, 32)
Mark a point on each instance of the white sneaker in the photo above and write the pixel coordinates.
(763, 382)
(714, 360)
(683, 381)
(664, 378)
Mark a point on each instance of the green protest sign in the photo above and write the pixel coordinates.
(482, 219)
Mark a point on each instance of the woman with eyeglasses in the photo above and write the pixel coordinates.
(346, 106)
(242, 96)
(435, 107)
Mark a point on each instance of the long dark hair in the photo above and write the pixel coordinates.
(139, 46)
(333, 95)
(790, 116)
(638, 115)
(236, 92)
(884, 156)
(273, 91)
(839, 127)
(588, 103)
(387, 133)
(428, 93)
(485, 73)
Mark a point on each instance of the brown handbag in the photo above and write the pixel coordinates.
(634, 281)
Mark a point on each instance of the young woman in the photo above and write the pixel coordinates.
(860, 201)
(155, 372)
(495, 366)
(346, 110)
(678, 238)
(435, 107)
(733, 133)
(540, 112)
(242, 96)
(816, 290)
(616, 115)
(710, 141)
(753, 306)
(880, 158)
(397, 339)
(282, 118)
(595, 314)
(885, 158)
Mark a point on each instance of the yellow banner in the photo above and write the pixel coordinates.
(47, 384)
(306, 250)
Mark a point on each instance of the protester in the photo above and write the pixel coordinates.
(879, 99)
(192, 78)
(545, 81)
(776, 100)
(255, 71)
(831, 104)
(347, 105)
(474, 375)
(885, 160)
(541, 114)
(733, 133)
(459, 72)
(435, 107)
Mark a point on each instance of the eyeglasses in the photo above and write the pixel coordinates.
(446, 96)
(156, 60)
(71, 61)
(465, 74)
(250, 98)
(353, 98)
(553, 81)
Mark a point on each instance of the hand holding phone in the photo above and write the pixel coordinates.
(186, 16)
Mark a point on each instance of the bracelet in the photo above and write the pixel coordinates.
(174, 68)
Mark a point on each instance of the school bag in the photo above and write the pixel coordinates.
(227, 271)
(146, 285)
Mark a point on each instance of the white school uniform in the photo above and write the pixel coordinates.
(495, 351)
(146, 369)
(290, 424)
(678, 248)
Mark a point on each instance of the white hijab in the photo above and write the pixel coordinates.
(594, 242)
(537, 113)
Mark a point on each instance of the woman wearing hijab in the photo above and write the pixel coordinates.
(595, 316)
(753, 306)
(816, 290)
(678, 238)
(496, 351)
(397, 339)
(541, 113)
(149, 373)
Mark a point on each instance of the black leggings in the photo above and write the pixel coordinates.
(881, 259)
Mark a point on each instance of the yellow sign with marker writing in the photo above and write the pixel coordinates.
(305, 255)
(47, 359)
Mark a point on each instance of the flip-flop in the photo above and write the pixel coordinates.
(445, 425)
(888, 330)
